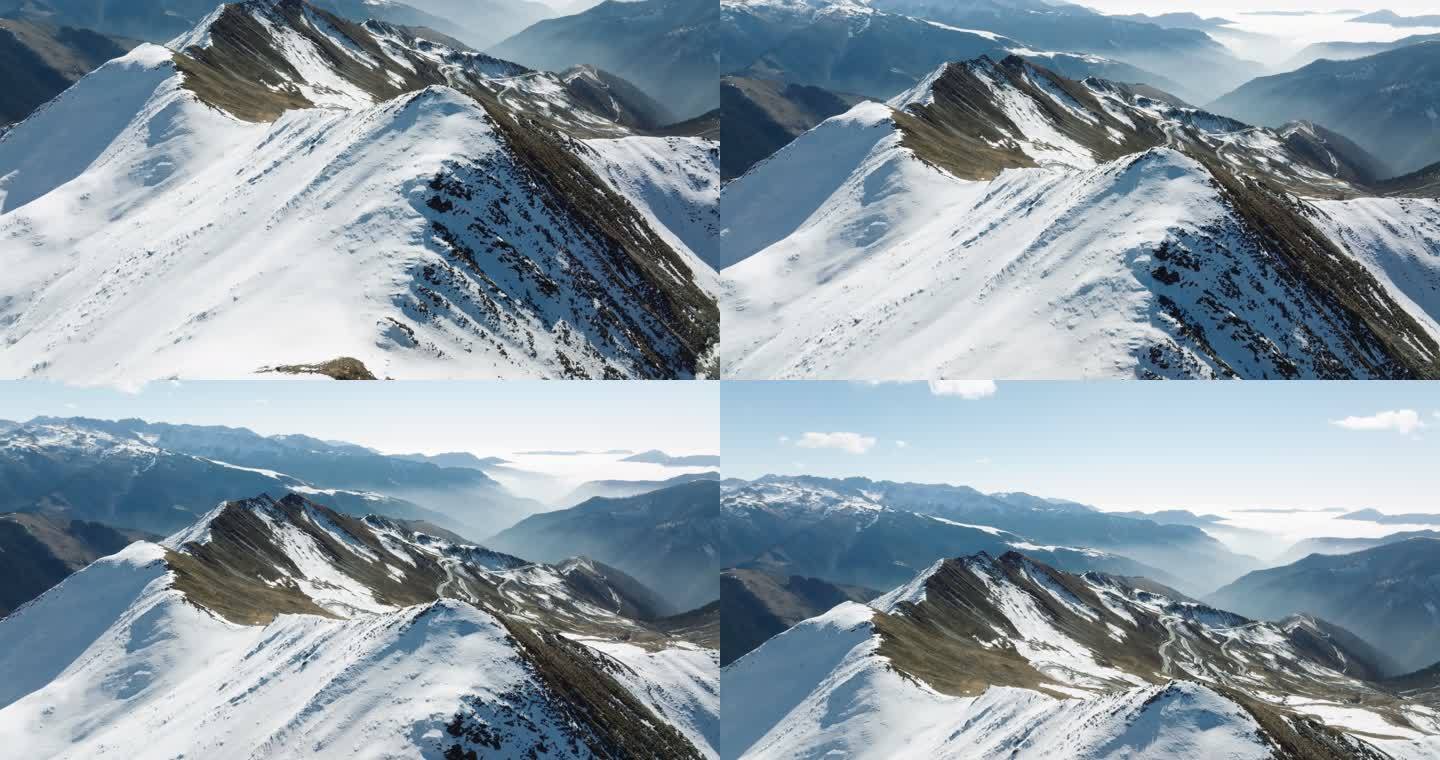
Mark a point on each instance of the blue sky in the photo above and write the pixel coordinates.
(1117, 445)
(402, 417)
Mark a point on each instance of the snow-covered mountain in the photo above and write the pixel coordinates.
(1000, 220)
(985, 656)
(856, 47)
(1194, 63)
(159, 477)
(665, 537)
(880, 533)
(160, 20)
(619, 489)
(426, 211)
(277, 629)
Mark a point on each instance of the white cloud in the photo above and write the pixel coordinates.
(966, 389)
(784, 439)
(851, 442)
(1403, 421)
(901, 444)
(983, 461)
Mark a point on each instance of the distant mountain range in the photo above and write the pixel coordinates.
(1386, 594)
(1178, 20)
(478, 23)
(1407, 518)
(755, 606)
(665, 538)
(455, 459)
(1391, 18)
(1249, 541)
(1192, 64)
(1383, 101)
(877, 52)
(159, 477)
(764, 115)
(148, 20)
(877, 534)
(617, 489)
(655, 456)
(41, 60)
(1343, 51)
(666, 47)
(1334, 545)
(40, 549)
(268, 621)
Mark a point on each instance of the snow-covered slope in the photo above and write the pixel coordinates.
(425, 211)
(952, 672)
(1009, 222)
(675, 184)
(277, 629)
(846, 700)
(1397, 240)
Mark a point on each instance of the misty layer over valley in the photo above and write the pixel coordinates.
(277, 593)
(1028, 190)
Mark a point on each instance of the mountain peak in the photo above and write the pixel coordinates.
(1026, 624)
(287, 607)
(250, 560)
(1084, 674)
(910, 593)
(299, 113)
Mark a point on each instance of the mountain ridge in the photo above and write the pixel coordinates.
(803, 297)
(434, 647)
(474, 172)
(962, 659)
